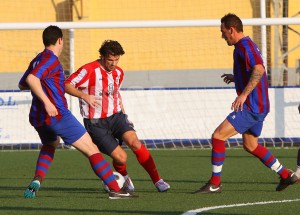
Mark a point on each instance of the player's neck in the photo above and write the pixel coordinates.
(54, 50)
(102, 65)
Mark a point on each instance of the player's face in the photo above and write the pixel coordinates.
(227, 35)
(110, 62)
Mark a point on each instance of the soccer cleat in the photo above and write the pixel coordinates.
(284, 183)
(31, 190)
(162, 186)
(122, 194)
(128, 185)
(209, 188)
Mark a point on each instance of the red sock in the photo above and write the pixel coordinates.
(268, 159)
(146, 160)
(217, 160)
(44, 161)
(120, 168)
(103, 170)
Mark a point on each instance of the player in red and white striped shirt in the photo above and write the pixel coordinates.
(97, 85)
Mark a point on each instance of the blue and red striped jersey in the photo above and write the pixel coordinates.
(246, 55)
(48, 69)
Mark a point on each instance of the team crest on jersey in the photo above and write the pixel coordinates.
(110, 88)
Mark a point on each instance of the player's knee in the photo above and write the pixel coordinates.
(134, 144)
(216, 135)
(55, 143)
(121, 158)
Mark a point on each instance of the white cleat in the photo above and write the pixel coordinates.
(162, 186)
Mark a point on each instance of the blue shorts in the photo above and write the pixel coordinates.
(245, 120)
(68, 128)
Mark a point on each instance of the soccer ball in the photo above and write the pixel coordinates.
(119, 178)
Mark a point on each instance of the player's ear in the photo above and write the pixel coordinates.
(59, 40)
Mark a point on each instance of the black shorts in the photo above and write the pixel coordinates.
(107, 133)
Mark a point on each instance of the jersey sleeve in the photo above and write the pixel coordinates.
(22, 81)
(77, 78)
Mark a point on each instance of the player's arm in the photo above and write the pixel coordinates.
(34, 84)
(92, 100)
(299, 108)
(257, 73)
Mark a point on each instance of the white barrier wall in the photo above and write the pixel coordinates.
(163, 114)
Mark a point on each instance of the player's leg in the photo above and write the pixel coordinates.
(122, 129)
(250, 139)
(73, 133)
(222, 133)
(297, 172)
(101, 135)
(145, 159)
(264, 154)
(267, 158)
(50, 141)
(119, 162)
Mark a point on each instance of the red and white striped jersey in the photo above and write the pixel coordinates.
(93, 79)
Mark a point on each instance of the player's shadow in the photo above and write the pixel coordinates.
(85, 211)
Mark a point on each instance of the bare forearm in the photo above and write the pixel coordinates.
(70, 89)
(256, 75)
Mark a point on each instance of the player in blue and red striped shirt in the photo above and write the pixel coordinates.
(50, 116)
(297, 172)
(250, 107)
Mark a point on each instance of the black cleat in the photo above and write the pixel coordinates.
(209, 188)
(122, 194)
(284, 183)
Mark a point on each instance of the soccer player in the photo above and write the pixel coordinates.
(50, 117)
(97, 85)
(250, 107)
(297, 172)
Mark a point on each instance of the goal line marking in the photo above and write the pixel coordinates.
(199, 210)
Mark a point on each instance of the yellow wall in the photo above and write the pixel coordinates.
(18, 47)
(163, 48)
(146, 49)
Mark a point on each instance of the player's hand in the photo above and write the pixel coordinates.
(227, 78)
(51, 109)
(238, 103)
(299, 108)
(94, 101)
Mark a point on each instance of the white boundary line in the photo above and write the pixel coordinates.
(199, 210)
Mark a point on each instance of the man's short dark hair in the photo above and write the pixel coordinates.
(111, 47)
(232, 20)
(51, 34)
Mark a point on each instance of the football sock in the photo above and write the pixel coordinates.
(120, 168)
(217, 160)
(268, 159)
(103, 170)
(145, 159)
(44, 161)
(297, 172)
